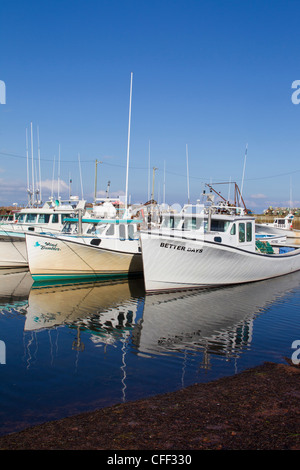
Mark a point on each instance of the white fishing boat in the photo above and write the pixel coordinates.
(48, 218)
(280, 226)
(208, 245)
(98, 248)
(270, 238)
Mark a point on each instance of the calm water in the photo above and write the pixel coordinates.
(75, 348)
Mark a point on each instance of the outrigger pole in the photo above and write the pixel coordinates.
(238, 198)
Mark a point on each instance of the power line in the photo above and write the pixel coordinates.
(202, 178)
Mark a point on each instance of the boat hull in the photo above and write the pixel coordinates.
(270, 229)
(177, 263)
(13, 252)
(55, 258)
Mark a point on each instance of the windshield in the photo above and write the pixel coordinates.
(21, 218)
(170, 221)
(70, 227)
(219, 225)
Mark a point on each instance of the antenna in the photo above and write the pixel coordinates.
(128, 144)
(244, 169)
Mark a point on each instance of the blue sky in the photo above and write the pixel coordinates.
(213, 75)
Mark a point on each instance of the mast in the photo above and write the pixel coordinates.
(96, 166)
(58, 173)
(187, 173)
(39, 157)
(32, 169)
(164, 196)
(53, 177)
(149, 173)
(80, 176)
(128, 144)
(27, 158)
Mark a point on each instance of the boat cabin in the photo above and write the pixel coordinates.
(41, 218)
(286, 222)
(122, 229)
(220, 228)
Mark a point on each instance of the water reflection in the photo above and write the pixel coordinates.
(216, 321)
(211, 321)
(110, 342)
(15, 285)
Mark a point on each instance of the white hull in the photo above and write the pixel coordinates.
(13, 252)
(177, 263)
(271, 229)
(74, 257)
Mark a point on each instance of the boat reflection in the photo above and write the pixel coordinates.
(15, 285)
(106, 309)
(215, 321)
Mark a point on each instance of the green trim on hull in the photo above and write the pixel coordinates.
(51, 279)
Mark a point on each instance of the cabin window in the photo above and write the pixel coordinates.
(70, 227)
(170, 222)
(21, 218)
(191, 223)
(100, 228)
(219, 225)
(122, 232)
(233, 230)
(110, 230)
(249, 232)
(64, 216)
(92, 229)
(241, 232)
(55, 218)
(131, 232)
(31, 218)
(44, 218)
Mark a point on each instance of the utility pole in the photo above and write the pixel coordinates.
(154, 169)
(96, 165)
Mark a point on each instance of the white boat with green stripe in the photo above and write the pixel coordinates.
(87, 248)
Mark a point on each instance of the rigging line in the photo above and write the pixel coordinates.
(12, 241)
(146, 168)
(78, 255)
